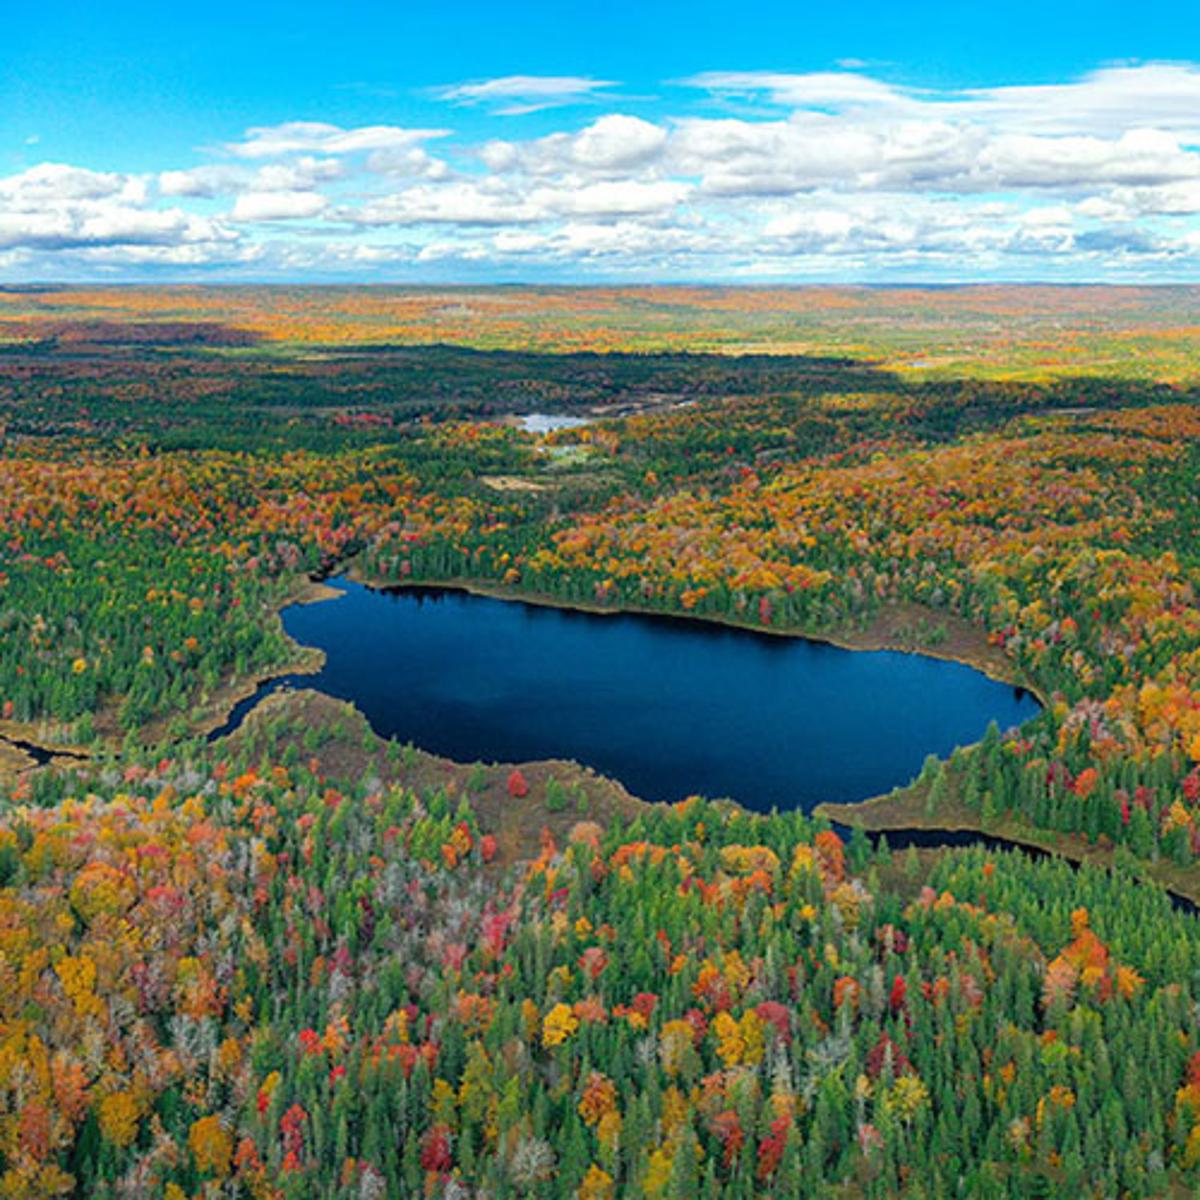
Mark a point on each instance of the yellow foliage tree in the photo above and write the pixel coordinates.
(559, 1024)
(118, 1114)
(750, 1027)
(597, 1184)
(730, 1044)
(658, 1174)
(908, 1095)
(211, 1146)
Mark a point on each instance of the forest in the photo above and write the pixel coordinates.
(301, 960)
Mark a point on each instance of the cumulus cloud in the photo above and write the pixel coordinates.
(221, 179)
(1172, 199)
(106, 225)
(413, 162)
(611, 198)
(817, 172)
(1139, 156)
(808, 150)
(202, 181)
(459, 203)
(735, 157)
(54, 206)
(830, 225)
(497, 203)
(50, 183)
(278, 206)
(614, 145)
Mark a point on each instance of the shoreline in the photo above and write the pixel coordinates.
(970, 651)
(904, 812)
(874, 637)
(306, 660)
(907, 815)
(898, 812)
(15, 759)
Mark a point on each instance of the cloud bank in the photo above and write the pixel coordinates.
(737, 174)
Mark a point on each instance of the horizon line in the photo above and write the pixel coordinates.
(50, 284)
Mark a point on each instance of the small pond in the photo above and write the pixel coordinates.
(668, 706)
(547, 422)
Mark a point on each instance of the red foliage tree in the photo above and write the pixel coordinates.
(435, 1150)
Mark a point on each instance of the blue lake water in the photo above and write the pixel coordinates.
(669, 707)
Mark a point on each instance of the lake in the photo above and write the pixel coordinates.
(668, 706)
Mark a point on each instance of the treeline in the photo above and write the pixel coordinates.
(228, 970)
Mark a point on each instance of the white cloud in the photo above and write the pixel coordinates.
(1139, 156)
(617, 141)
(516, 95)
(610, 198)
(226, 179)
(413, 162)
(278, 206)
(1181, 199)
(820, 172)
(103, 224)
(299, 175)
(202, 181)
(807, 150)
(1163, 96)
(734, 157)
(48, 183)
(54, 206)
(496, 202)
(316, 137)
(614, 146)
(460, 203)
(819, 89)
(632, 240)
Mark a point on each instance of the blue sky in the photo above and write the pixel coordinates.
(615, 141)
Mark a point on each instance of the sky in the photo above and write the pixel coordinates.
(468, 141)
